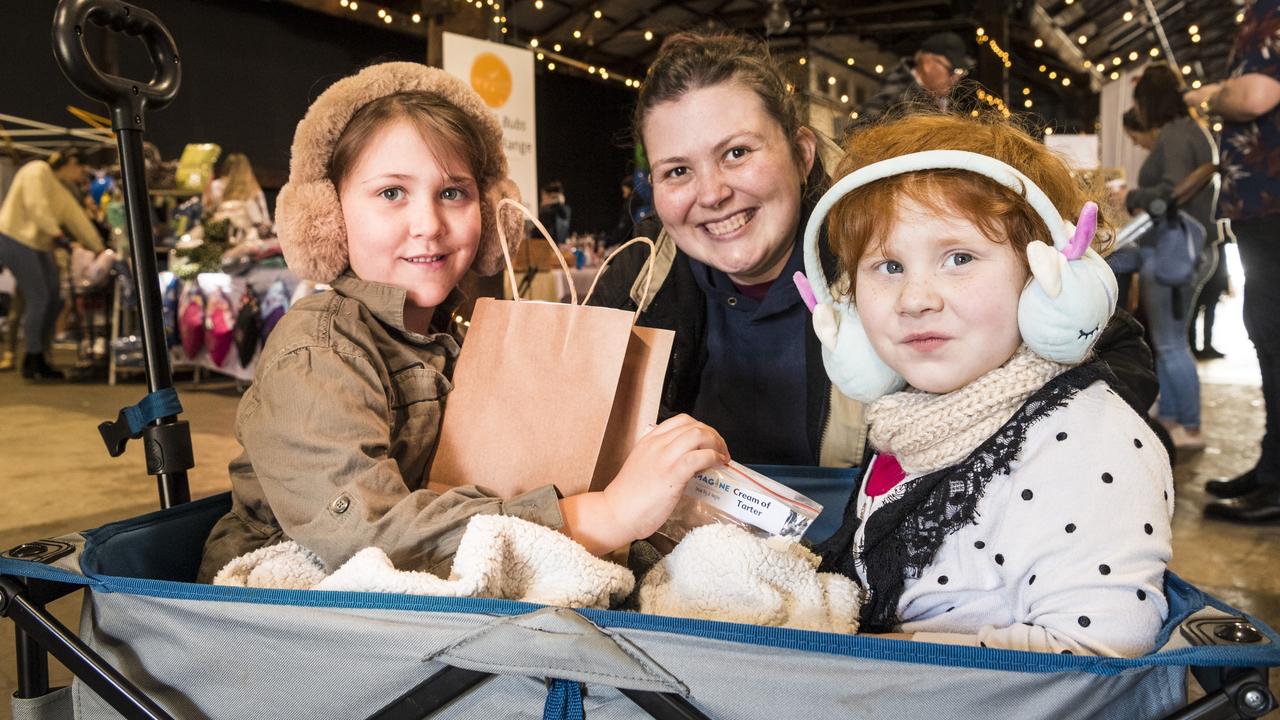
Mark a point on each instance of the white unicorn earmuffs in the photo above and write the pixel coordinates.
(1063, 309)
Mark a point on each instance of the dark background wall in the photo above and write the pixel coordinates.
(251, 68)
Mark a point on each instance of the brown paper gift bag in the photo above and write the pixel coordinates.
(548, 393)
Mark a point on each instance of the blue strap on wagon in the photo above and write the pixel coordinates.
(135, 418)
(564, 701)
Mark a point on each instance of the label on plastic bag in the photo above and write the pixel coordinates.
(757, 508)
(739, 496)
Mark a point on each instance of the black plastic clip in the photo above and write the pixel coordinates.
(132, 420)
(116, 434)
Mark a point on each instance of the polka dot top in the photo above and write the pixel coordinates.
(1068, 551)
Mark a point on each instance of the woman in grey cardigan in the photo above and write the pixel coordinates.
(1181, 146)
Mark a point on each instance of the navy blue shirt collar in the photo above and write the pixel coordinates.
(782, 296)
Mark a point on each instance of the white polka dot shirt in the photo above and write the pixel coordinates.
(1068, 551)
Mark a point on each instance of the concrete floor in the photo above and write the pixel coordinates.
(57, 477)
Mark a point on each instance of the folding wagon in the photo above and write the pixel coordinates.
(154, 644)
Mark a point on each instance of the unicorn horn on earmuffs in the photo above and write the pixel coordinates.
(1069, 299)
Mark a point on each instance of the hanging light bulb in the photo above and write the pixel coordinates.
(648, 35)
(777, 20)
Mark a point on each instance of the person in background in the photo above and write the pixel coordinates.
(39, 207)
(1125, 262)
(926, 79)
(1179, 146)
(1206, 307)
(1249, 104)
(624, 229)
(238, 183)
(554, 211)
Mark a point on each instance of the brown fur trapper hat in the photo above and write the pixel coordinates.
(309, 220)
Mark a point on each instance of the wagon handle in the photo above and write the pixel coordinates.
(167, 440)
(128, 99)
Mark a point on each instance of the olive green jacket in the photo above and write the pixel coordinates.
(338, 432)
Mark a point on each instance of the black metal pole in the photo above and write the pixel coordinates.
(173, 486)
(33, 666)
(41, 627)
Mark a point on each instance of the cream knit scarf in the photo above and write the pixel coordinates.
(927, 432)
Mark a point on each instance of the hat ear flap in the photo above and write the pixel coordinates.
(489, 253)
(313, 233)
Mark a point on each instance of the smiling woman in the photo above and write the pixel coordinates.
(735, 175)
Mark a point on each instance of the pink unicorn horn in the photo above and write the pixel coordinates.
(1085, 229)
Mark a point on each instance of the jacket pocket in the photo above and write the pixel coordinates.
(417, 384)
(417, 408)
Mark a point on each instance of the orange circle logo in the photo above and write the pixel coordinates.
(491, 79)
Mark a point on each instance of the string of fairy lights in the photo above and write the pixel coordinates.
(554, 55)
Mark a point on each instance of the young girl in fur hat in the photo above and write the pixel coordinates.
(394, 179)
(1014, 500)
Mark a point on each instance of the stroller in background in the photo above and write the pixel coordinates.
(154, 644)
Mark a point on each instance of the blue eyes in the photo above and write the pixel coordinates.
(452, 194)
(393, 194)
(893, 267)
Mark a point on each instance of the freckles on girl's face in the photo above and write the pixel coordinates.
(939, 300)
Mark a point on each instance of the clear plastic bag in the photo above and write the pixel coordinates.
(737, 495)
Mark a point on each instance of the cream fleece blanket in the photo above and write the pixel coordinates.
(722, 572)
(718, 572)
(499, 556)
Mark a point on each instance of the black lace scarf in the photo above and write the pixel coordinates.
(904, 535)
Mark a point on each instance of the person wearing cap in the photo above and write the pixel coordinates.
(927, 79)
(395, 177)
(38, 208)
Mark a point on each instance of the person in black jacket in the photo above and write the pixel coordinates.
(735, 176)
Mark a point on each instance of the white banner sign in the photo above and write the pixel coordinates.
(503, 77)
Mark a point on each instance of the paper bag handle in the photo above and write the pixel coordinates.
(506, 251)
(648, 279)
